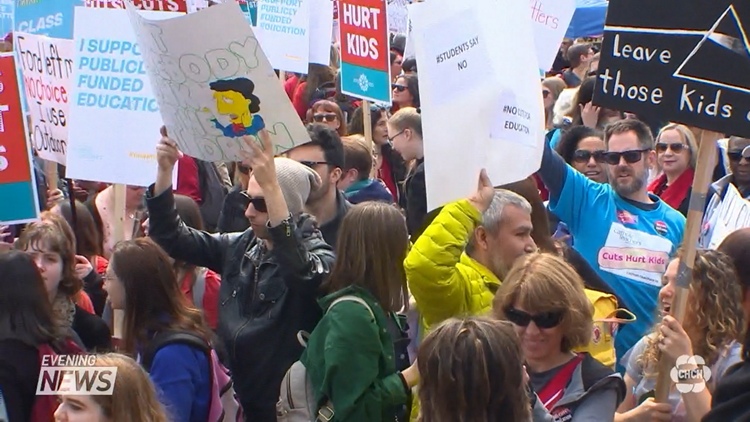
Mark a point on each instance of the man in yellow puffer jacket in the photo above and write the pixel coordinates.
(494, 226)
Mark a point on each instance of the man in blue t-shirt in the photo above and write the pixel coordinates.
(625, 233)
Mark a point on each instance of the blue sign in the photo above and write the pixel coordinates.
(6, 17)
(53, 18)
(250, 8)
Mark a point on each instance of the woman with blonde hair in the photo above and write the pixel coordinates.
(133, 397)
(551, 90)
(483, 361)
(676, 154)
(713, 329)
(350, 357)
(544, 298)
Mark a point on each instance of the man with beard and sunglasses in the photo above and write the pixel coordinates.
(738, 153)
(625, 233)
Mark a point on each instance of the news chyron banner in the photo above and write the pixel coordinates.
(16, 174)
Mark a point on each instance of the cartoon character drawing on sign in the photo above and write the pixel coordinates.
(235, 100)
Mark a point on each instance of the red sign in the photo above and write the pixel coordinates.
(157, 5)
(364, 33)
(14, 155)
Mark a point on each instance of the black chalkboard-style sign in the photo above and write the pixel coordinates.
(686, 61)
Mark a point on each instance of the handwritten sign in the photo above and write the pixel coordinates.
(666, 64)
(154, 5)
(17, 186)
(114, 117)
(214, 87)
(462, 50)
(733, 213)
(283, 31)
(397, 15)
(365, 50)
(550, 21)
(53, 18)
(47, 68)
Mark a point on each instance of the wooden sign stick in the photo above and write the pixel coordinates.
(118, 232)
(703, 174)
(367, 121)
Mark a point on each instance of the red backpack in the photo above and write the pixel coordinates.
(44, 406)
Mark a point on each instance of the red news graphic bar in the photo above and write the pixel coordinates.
(157, 5)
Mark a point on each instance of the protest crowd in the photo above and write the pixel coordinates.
(335, 276)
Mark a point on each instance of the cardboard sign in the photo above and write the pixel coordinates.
(213, 83)
(365, 50)
(53, 18)
(17, 186)
(687, 68)
(114, 117)
(152, 5)
(46, 66)
(550, 21)
(284, 33)
(462, 51)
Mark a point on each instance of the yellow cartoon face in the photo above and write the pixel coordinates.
(233, 105)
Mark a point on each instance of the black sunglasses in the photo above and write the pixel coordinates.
(328, 117)
(545, 93)
(631, 157)
(736, 155)
(583, 156)
(543, 320)
(312, 164)
(676, 147)
(398, 88)
(258, 203)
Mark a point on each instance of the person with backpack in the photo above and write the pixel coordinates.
(270, 273)
(28, 333)
(141, 282)
(350, 358)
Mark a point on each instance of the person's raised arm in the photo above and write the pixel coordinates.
(430, 266)
(302, 267)
(165, 226)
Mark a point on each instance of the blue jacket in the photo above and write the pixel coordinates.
(182, 377)
(368, 190)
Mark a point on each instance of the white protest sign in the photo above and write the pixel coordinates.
(283, 32)
(213, 83)
(479, 109)
(409, 45)
(46, 66)
(397, 15)
(733, 213)
(551, 19)
(321, 25)
(114, 117)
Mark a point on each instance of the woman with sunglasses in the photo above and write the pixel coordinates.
(675, 147)
(544, 298)
(551, 90)
(330, 114)
(405, 92)
(712, 329)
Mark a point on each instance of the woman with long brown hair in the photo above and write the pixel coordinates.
(133, 397)
(141, 281)
(350, 354)
(713, 329)
(482, 359)
(27, 332)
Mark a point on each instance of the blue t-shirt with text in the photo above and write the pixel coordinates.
(629, 247)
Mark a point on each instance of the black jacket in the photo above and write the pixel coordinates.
(330, 230)
(19, 373)
(92, 330)
(265, 298)
(414, 197)
(731, 399)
